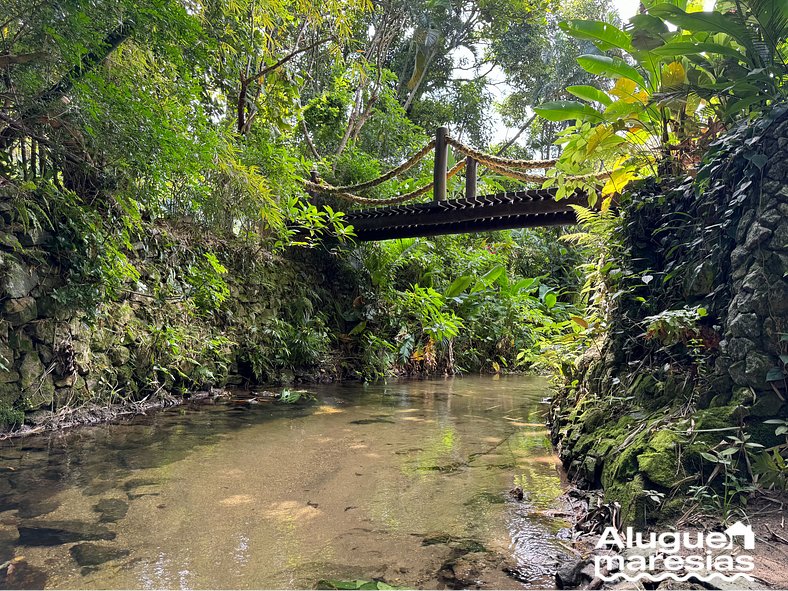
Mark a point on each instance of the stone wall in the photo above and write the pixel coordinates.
(638, 416)
(758, 311)
(152, 341)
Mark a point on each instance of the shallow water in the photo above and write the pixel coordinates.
(402, 482)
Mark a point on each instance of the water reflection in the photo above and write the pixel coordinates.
(276, 497)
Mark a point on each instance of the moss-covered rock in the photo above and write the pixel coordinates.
(37, 386)
(628, 494)
(659, 462)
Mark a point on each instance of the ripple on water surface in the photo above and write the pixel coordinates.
(405, 482)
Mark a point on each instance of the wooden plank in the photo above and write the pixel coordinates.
(485, 225)
(460, 210)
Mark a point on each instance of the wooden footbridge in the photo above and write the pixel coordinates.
(383, 219)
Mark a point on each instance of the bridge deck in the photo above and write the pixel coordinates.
(502, 211)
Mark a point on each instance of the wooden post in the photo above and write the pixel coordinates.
(441, 160)
(470, 178)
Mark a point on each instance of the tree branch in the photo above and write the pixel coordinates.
(288, 57)
(510, 143)
(87, 63)
(25, 58)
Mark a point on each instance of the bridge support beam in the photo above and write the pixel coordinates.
(441, 162)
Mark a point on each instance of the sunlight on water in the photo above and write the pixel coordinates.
(404, 482)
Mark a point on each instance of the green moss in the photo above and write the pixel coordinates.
(624, 466)
(763, 434)
(628, 494)
(10, 417)
(659, 463)
(592, 419)
(719, 418)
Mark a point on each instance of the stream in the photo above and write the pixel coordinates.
(406, 482)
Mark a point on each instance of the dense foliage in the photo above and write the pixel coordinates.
(197, 122)
(120, 117)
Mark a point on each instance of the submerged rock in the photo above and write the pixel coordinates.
(54, 533)
(138, 483)
(111, 510)
(34, 507)
(87, 554)
(98, 488)
(370, 421)
(469, 570)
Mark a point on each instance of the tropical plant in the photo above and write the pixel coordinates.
(679, 78)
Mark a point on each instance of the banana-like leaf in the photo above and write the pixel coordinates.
(707, 22)
(678, 48)
(458, 286)
(590, 94)
(604, 35)
(612, 67)
(622, 109)
(648, 32)
(673, 75)
(525, 284)
(567, 110)
(492, 275)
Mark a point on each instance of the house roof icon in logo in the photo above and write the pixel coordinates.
(738, 529)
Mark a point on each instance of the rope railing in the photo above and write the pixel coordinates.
(512, 168)
(345, 196)
(508, 167)
(404, 167)
(488, 159)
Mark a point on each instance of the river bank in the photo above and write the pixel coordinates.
(590, 515)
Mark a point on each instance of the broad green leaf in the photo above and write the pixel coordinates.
(550, 299)
(612, 67)
(707, 22)
(359, 328)
(673, 74)
(524, 284)
(458, 286)
(604, 35)
(738, 107)
(590, 94)
(567, 110)
(648, 32)
(622, 109)
(492, 275)
(678, 48)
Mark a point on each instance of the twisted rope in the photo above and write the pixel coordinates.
(345, 196)
(498, 160)
(405, 166)
(506, 166)
(539, 178)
